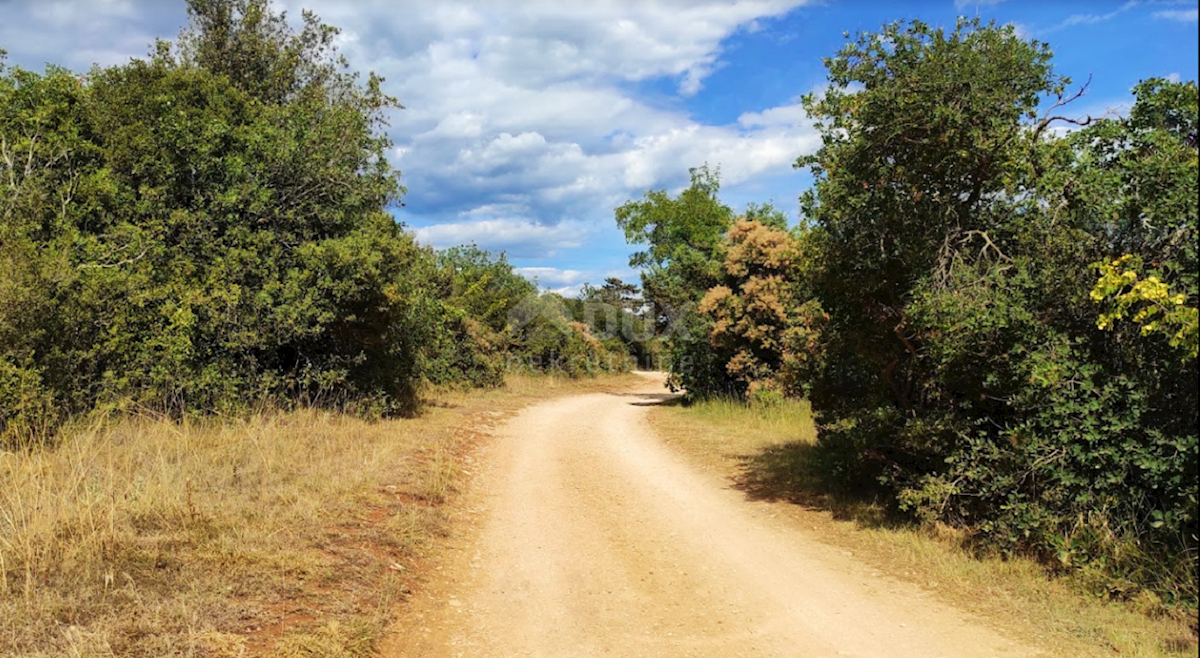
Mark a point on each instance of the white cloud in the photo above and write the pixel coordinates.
(459, 125)
(523, 125)
(79, 33)
(519, 238)
(543, 42)
(1092, 19)
(569, 282)
(527, 115)
(63, 14)
(1022, 30)
(784, 115)
(553, 276)
(1180, 15)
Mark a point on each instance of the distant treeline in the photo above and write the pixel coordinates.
(207, 229)
(990, 301)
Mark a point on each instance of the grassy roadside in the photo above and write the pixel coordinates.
(763, 451)
(276, 535)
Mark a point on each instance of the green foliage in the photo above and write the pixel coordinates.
(617, 314)
(682, 260)
(209, 228)
(615, 293)
(1146, 163)
(256, 49)
(547, 338)
(961, 368)
(923, 131)
(479, 291)
(482, 285)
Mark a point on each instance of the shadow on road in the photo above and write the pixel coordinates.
(650, 399)
(788, 473)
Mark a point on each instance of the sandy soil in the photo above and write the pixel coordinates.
(584, 536)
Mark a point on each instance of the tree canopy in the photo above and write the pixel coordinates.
(210, 227)
(993, 318)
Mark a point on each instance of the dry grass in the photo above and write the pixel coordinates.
(739, 430)
(275, 535)
(764, 451)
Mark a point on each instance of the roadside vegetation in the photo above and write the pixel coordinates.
(272, 534)
(234, 392)
(767, 452)
(208, 230)
(990, 303)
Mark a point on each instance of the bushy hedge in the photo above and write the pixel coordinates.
(209, 228)
(965, 370)
(547, 337)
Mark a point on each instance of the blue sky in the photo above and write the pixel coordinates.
(528, 122)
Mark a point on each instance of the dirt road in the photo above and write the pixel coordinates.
(590, 538)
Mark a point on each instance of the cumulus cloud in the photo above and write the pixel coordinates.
(523, 125)
(527, 107)
(784, 115)
(543, 42)
(519, 238)
(80, 33)
(552, 277)
(569, 282)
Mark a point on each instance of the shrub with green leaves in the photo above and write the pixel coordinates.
(209, 228)
(546, 337)
(684, 242)
(962, 371)
(479, 290)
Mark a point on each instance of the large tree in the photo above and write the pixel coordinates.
(684, 238)
(963, 367)
(210, 226)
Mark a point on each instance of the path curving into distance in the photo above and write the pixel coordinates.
(588, 537)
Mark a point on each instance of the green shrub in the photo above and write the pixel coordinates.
(209, 228)
(961, 369)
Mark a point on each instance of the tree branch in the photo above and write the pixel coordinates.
(1049, 118)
